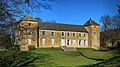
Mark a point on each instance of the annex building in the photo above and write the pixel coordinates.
(47, 34)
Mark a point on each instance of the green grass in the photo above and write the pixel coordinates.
(55, 57)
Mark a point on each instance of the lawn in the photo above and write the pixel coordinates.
(55, 57)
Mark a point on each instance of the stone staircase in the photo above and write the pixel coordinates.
(65, 48)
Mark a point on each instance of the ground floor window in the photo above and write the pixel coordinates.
(29, 41)
(43, 41)
(68, 42)
(79, 42)
(95, 43)
(84, 42)
(74, 42)
(63, 42)
(53, 42)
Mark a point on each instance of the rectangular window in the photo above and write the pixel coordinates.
(43, 33)
(52, 33)
(79, 34)
(63, 34)
(84, 42)
(53, 42)
(84, 35)
(74, 42)
(43, 41)
(73, 34)
(29, 24)
(62, 42)
(68, 42)
(95, 35)
(68, 34)
(29, 31)
(79, 42)
(29, 41)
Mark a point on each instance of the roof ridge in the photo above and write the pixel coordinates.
(91, 22)
(27, 17)
(62, 23)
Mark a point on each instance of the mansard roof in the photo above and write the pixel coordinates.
(61, 27)
(91, 22)
(28, 18)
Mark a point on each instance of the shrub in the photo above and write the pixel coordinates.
(15, 58)
(31, 47)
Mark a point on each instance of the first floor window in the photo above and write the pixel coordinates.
(68, 34)
(29, 24)
(84, 35)
(63, 34)
(43, 33)
(73, 34)
(29, 31)
(52, 33)
(79, 34)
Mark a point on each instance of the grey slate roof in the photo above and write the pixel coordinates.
(91, 22)
(61, 27)
(28, 18)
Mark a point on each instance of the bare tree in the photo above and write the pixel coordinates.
(38, 19)
(11, 9)
(106, 20)
(111, 29)
(115, 25)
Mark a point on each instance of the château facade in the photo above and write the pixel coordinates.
(47, 34)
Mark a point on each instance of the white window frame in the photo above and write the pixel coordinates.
(82, 42)
(53, 42)
(62, 42)
(74, 42)
(29, 41)
(43, 41)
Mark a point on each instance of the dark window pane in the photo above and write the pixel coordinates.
(43, 32)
